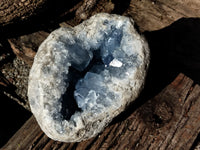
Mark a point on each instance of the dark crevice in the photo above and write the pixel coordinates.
(157, 119)
(69, 105)
(92, 143)
(196, 142)
(13, 117)
(190, 91)
(37, 140)
(74, 147)
(120, 6)
(6, 50)
(80, 67)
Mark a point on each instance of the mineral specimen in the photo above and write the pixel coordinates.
(83, 77)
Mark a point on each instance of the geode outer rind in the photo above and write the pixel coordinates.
(112, 82)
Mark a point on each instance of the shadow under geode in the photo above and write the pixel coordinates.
(174, 49)
(13, 116)
(120, 6)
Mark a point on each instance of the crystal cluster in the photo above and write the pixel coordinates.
(83, 77)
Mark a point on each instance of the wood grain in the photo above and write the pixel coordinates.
(170, 120)
(25, 46)
(14, 10)
(151, 15)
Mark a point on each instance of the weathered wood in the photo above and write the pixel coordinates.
(91, 7)
(153, 15)
(25, 47)
(4, 82)
(12, 11)
(197, 147)
(18, 12)
(170, 120)
(17, 16)
(149, 14)
(14, 71)
(9, 76)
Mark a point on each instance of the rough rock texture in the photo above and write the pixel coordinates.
(83, 77)
(16, 72)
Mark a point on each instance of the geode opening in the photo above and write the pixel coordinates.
(69, 105)
(83, 77)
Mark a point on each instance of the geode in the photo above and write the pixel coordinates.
(83, 77)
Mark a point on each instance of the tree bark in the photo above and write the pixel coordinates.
(25, 47)
(170, 120)
(15, 70)
(153, 15)
(13, 11)
(27, 13)
(149, 14)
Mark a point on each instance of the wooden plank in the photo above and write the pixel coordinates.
(25, 46)
(14, 72)
(151, 15)
(170, 120)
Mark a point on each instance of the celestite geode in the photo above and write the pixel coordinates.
(83, 77)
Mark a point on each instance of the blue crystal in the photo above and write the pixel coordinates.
(111, 44)
(79, 57)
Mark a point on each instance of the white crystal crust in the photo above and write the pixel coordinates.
(108, 58)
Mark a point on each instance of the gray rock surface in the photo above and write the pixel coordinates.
(16, 72)
(83, 77)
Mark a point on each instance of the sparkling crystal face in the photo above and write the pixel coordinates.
(86, 75)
